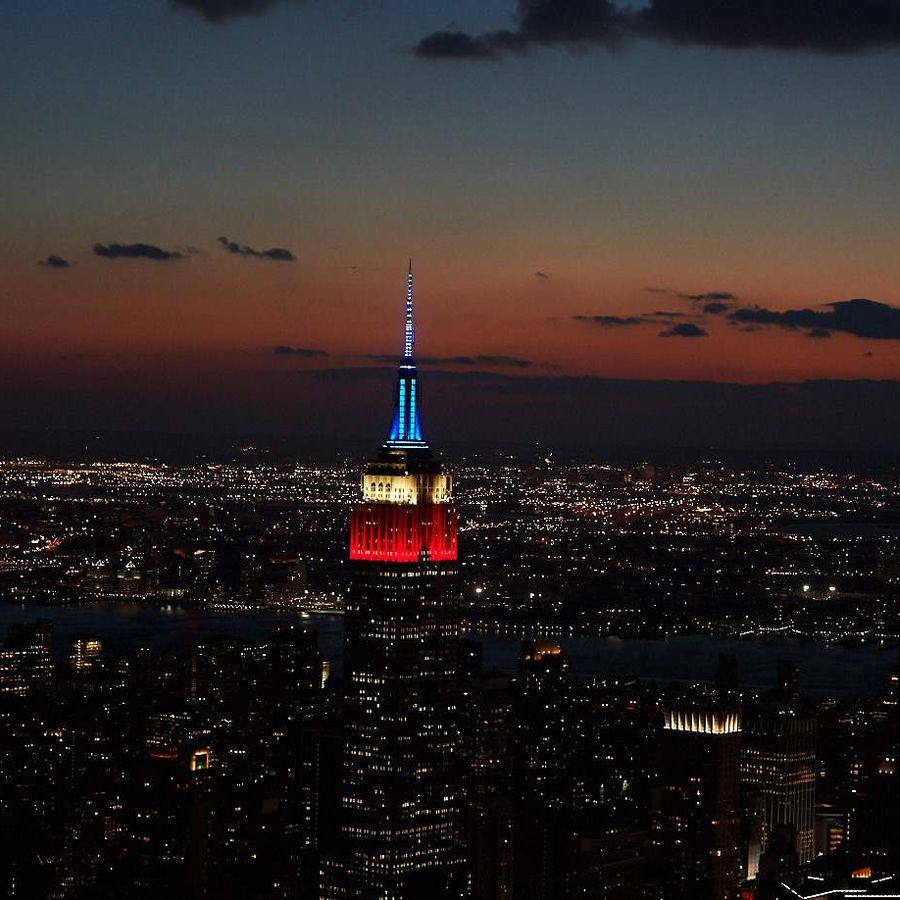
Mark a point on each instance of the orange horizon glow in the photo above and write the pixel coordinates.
(212, 313)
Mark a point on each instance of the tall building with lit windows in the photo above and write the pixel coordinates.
(696, 822)
(778, 772)
(401, 793)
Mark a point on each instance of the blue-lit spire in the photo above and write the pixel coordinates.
(406, 430)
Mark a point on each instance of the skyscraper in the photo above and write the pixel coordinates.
(401, 795)
(696, 821)
(26, 663)
(778, 764)
(542, 750)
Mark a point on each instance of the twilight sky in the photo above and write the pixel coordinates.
(206, 214)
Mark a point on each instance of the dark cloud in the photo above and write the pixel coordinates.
(611, 321)
(822, 26)
(286, 350)
(135, 251)
(541, 275)
(279, 254)
(513, 362)
(684, 330)
(576, 24)
(55, 262)
(568, 22)
(859, 317)
(220, 10)
(658, 317)
(708, 297)
(456, 45)
(711, 296)
(715, 308)
(818, 333)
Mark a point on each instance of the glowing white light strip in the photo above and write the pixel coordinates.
(702, 721)
(410, 333)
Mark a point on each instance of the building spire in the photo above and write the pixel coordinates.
(409, 336)
(406, 430)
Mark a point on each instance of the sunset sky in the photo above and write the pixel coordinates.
(583, 191)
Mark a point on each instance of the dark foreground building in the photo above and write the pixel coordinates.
(778, 772)
(696, 821)
(401, 799)
(542, 750)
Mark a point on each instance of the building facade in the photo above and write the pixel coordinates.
(778, 768)
(696, 821)
(401, 797)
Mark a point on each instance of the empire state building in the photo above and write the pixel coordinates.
(401, 795)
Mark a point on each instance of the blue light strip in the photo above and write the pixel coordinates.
(413, 430)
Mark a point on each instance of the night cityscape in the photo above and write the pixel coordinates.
(449, 451)
(419, 759)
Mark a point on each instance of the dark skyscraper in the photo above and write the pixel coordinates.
(401, 796)
(542, 774)
(25, 659)
(696, 822)
(489, 817)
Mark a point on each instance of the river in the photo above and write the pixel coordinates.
(824, 670)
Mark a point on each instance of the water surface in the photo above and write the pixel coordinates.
(824, 670)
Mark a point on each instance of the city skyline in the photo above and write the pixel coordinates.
(245, 760)
(591, 592)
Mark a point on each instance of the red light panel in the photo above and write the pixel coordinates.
(172, 753)
(383, 532)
